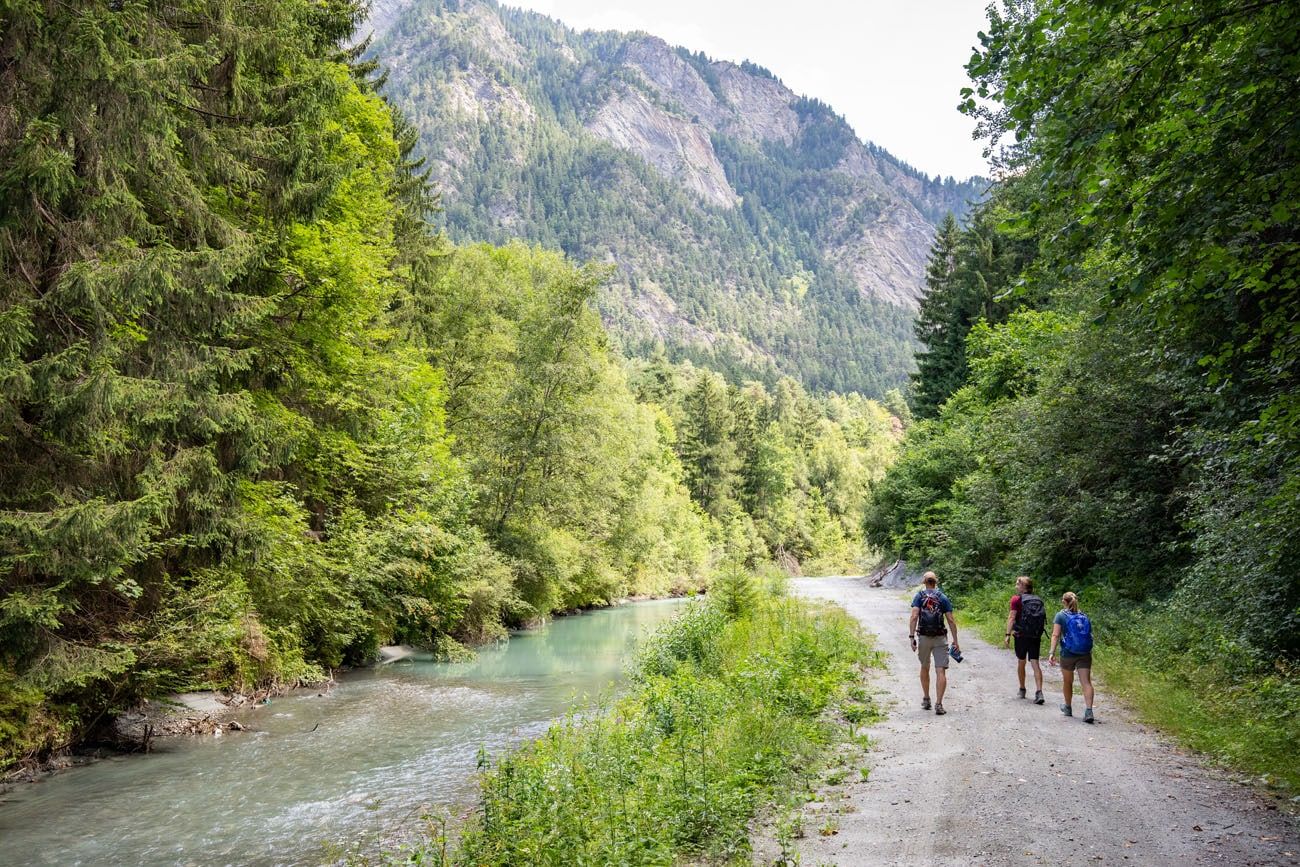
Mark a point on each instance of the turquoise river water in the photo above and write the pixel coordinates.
(353, 769)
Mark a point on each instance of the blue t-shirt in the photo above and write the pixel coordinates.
(944, 605)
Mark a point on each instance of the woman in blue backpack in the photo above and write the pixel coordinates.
(1072, 630)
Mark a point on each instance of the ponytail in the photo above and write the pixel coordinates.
(1071, 601)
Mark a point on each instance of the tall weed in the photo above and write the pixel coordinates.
(724, 713)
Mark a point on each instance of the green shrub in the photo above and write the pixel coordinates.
(733, 590)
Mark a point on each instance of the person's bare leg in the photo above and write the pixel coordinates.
(1067, 686)
(941, 684)
(1085, 681)
(1038, 675)
(1020, 672)
(925, 681)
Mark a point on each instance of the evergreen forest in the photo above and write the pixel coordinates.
(258, 418)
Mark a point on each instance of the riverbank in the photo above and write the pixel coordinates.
(733, 703)
(349, 769)
(215, 712)
(204, 712)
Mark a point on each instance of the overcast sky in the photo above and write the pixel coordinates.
(893, 68)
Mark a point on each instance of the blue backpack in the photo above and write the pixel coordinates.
(1076, 638)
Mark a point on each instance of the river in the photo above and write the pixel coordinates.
(353, 768)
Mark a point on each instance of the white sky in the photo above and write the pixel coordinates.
(893, 68)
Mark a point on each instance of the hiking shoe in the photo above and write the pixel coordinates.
(1022, 692)
(925, 703)
(1065, 709)
(1038, 697)
(938, 710)
(1088, 717)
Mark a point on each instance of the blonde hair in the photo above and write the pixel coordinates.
(1070, 601)
(1026, 582)
(930, 579)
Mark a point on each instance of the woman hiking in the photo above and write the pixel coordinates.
(1072, 629)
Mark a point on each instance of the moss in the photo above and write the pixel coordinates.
(28, 726)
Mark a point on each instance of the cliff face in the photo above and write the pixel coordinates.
(679, 149)
(751, 229)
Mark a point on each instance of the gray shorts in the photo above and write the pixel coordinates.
(1070, 663)
(935, 646)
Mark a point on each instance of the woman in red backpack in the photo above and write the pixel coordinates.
(1073, 631)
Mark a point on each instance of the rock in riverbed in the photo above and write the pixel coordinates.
(395, 652)
(184, 713)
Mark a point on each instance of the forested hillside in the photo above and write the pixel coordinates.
(1112, 344)
(258, 418)
(751, 229)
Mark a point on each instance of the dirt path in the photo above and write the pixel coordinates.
(1003, 781)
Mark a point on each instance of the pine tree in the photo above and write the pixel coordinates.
(941, 368)
(706, 446)
(196, 244)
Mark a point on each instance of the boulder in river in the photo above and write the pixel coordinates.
(183, 713)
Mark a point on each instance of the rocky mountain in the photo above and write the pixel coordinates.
(749, 228)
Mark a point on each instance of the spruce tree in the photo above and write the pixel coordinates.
(158, 163)
(941, 368)
(706, 446)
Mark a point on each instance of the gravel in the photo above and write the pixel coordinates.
(999, 780)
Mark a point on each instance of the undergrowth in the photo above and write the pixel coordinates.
(728, 709)
(1144, 654)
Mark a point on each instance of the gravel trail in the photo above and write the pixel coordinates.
(999, 780)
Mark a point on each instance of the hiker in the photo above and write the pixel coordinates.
(930, 609)
(1072, 629)
(1025, 624)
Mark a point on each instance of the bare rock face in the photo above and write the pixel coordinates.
(476, 100)
(673, 145)
(887, 259)
(760, 106)
(383, 15)
(741, 217)
(675, 80)
(668, 123)
(473, 93)
(672, 133)
(483, 26)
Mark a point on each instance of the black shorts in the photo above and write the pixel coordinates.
(1028, 646)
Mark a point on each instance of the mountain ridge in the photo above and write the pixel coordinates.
(750, 228)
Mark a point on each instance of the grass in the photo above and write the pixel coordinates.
(730, 710)
(1246, 721)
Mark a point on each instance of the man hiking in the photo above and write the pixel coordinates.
(1025, 623)
(926, 629)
